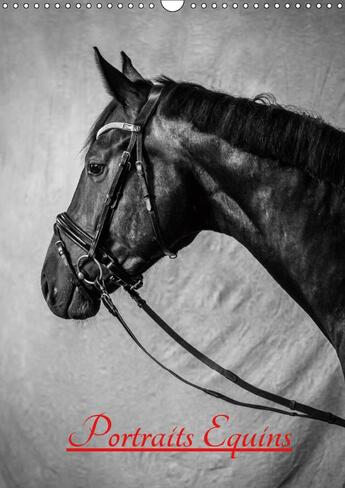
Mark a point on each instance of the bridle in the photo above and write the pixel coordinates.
(106, 261)
(91, 244)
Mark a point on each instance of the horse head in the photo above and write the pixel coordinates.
(128, 234)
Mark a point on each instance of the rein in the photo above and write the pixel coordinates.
(105, 260)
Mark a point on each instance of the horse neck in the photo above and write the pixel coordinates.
(289, 221)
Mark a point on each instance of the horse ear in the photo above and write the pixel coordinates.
(117, 84)
(129, 70)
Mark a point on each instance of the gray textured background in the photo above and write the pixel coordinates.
(55, 373)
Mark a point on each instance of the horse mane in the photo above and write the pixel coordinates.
(262, 127)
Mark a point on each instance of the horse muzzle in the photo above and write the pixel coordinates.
(66, 295)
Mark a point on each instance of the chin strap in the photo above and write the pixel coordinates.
(299, 409)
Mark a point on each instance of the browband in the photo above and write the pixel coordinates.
(118, 125)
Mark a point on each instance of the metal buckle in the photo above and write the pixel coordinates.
(131, 127)
(81, 275)
(124, 158)
(139, 168)
(61, 249)
(139, 283)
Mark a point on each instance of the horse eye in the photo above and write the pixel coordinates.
(95, 169)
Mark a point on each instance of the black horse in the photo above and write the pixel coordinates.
(270, 177)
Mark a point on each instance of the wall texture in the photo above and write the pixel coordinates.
(54, 373)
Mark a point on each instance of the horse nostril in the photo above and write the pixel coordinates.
(45, 286)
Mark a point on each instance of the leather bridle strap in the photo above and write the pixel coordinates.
(149, 106)
(109, 304)
(136, 139)
(124, 166)
(141, 121)
(300, 409)
(150, 205)
(91, 244)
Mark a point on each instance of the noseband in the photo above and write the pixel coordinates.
(108, 268)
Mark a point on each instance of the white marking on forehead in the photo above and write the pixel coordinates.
(118, 125)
